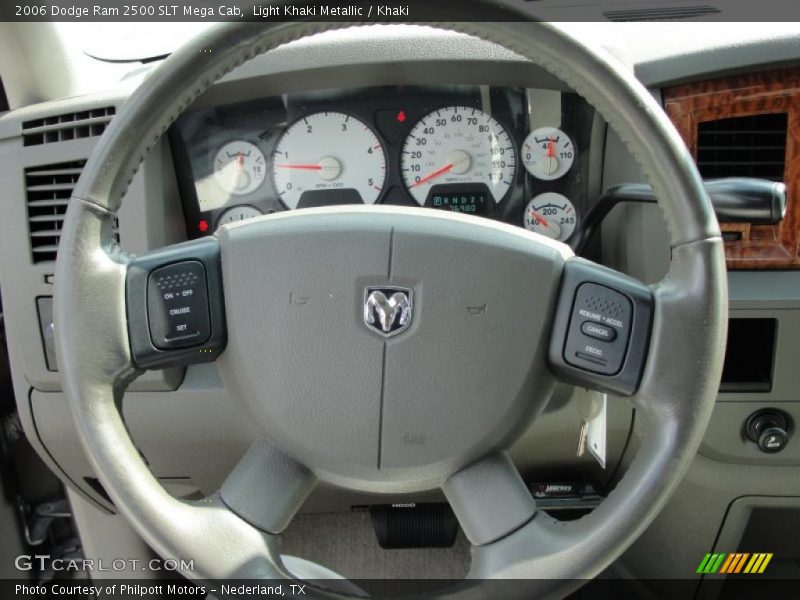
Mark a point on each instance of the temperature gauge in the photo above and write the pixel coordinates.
(548, 153)
(550, 214)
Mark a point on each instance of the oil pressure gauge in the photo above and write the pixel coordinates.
(548, 153)
(550, 214)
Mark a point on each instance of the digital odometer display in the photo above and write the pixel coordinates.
(474, 202)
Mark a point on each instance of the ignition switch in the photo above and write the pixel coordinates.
(769, 429)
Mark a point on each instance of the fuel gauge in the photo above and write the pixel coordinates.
(239, 167)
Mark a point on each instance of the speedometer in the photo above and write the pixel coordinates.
(458, 149)
(328, 158)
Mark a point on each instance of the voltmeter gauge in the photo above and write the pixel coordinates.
(548, 153)
(239, 167)
(238, 213)
(551, 214)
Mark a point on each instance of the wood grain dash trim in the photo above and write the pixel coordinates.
(777, 91)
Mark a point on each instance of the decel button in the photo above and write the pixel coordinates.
(177, 305)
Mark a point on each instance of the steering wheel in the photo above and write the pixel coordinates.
(337, 397)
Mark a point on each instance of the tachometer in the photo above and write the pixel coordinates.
(458, 146)
(328, 158)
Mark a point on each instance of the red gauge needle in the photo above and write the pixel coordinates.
(551, 147)
(542, 220)
(240, 161)
(433, 175)
(305, 167)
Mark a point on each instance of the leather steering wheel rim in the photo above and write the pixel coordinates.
(675, 397)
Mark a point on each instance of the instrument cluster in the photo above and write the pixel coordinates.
(471, 149)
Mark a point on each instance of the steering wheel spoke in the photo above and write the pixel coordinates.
(267, 487)
(174, 305)
(476, 492)
(601, 330)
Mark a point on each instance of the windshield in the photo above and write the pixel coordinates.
(127, 42)
(143, 41)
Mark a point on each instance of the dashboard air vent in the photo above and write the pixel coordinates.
(48, 190)
(752, 146)
(663, 13)
(71, 126)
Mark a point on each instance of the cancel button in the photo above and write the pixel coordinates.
(598, 331)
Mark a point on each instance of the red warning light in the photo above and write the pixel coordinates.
(203, 225)
(401, 116)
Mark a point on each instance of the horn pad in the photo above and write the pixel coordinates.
(385, 345)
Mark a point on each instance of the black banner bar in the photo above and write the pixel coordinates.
(177, 588)
(378, 11)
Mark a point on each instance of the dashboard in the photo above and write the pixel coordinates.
(481, 150)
